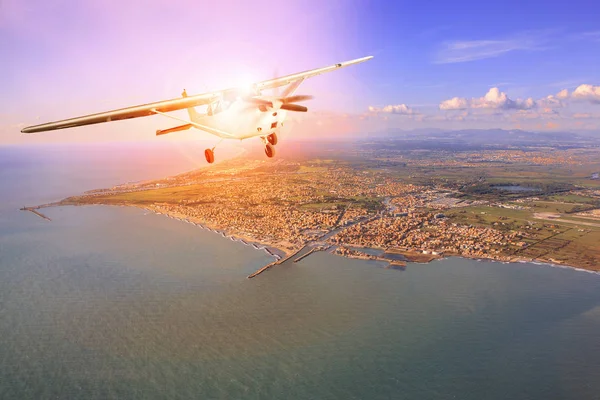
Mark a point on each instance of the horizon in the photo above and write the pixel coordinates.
(383, 134)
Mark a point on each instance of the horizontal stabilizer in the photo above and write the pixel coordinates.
(171, 130)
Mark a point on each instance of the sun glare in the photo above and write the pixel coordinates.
(244, 82)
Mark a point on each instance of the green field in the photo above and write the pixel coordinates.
(554, 207)
(574, 198)
(562, 241)
(172, 195)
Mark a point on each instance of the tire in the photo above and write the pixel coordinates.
(270, 150)
(209, 155)
(272, 138)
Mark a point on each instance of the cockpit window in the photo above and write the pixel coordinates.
(214, 108)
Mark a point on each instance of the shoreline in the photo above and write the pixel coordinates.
(246, 240)
(446, 257)
(527, 261)
(259, 244)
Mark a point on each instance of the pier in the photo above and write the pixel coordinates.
(313, 250)
(36, 212)
(306, 254)
(266, 267)
(263, 269)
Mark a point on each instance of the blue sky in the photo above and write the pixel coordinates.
(532, 46)
(443, 64)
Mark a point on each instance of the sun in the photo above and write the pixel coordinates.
(244, 82)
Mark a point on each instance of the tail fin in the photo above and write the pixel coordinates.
(194, 116)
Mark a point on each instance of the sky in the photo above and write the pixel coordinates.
(453, 65)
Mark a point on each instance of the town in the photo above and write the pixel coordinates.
(349, 206)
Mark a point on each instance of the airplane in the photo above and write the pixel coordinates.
(235, 113)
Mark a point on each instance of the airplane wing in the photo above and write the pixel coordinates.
(143, 110)
(160, 107)
(284, 80)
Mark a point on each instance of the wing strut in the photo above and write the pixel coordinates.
(214, 131)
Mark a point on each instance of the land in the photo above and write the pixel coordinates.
(395, 201)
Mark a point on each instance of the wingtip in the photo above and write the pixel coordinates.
(35, 129)
(355, 61)
(363, 59)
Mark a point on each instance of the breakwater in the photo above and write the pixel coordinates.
(36, 212)
(266, 267)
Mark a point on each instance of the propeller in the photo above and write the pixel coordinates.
(293, 107)
(285, 102)
(296, 99)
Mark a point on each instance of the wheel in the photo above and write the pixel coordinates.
(210, 156)
(272, 138)
(270, 150)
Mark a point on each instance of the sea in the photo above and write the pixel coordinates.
(117, 303)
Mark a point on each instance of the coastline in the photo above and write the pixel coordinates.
(271, 249)
(278, 252)
(511, 260)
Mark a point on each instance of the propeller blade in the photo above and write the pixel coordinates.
(294, 107)
(296, 99)
(259, 102)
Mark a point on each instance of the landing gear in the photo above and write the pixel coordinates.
(272, 138)
(270, 150)
(210, 156)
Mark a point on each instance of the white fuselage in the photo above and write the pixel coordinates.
(241, 120)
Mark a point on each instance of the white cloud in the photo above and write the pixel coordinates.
(497, 109)
(455, 103)
(493, 99)
(587, 93)
(563, 94)
(550, 102)
(401, 109)
(471, 50)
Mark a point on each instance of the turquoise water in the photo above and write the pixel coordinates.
(112, 302)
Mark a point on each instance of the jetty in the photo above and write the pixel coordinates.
(281, 261)
(305, 254)
(313, 250)
(263, 269)
(36, 212)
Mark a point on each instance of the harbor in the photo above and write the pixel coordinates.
(278, 262)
